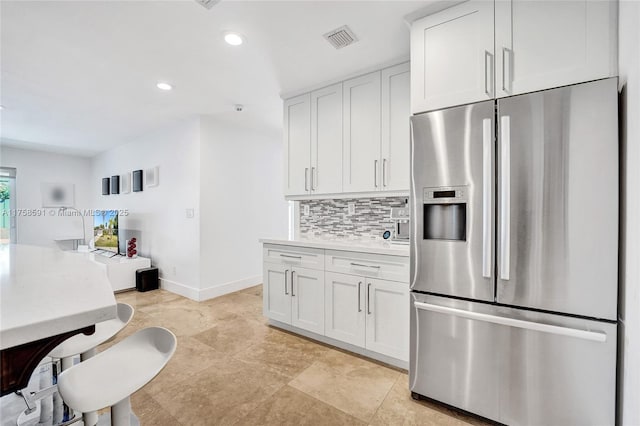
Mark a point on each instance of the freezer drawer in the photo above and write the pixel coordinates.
(513, 366)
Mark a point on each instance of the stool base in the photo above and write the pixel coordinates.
(105, 420)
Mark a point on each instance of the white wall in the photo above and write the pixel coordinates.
(168, 237)
(241, 201)
(629, 67)
(34, 168)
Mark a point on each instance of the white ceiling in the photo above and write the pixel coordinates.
(79, 76)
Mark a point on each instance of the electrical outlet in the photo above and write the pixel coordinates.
(174, 271)
(306, 210)
(352, 208)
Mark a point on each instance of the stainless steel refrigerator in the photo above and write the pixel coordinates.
(514, 256)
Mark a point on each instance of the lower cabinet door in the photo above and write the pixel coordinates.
(387, 318)
(307, 299)
(344, 308)
(276, 292)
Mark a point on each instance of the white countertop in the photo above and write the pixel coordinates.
(359, 245)
(45, 292)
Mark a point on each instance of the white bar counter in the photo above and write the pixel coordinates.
(45, 292)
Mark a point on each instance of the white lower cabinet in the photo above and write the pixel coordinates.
(276, 298)
(344, 316)
(388, 318)
(360, 299)
(369, 313)
(294, 295)
(307, 295)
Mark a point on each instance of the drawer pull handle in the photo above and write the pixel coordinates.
(595, 336)
(366, 266)
(359, 308)
(290, 256)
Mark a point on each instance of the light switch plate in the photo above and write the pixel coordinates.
(190, 213)
(306, 210)
(352, 208)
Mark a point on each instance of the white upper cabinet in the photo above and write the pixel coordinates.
(361, 130)
(545, 44)
(326, 140)
(452, 56)
(297, 144)
(396, 137)
(351, 137)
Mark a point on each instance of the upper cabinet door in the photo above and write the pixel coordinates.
(452, 57)
(396, 136)
(297, 144)
(361, 168)
(545, 44)
(326, 140)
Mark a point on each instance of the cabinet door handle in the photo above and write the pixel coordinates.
(366, 266)
(369, 298)
(292, 283)
(506, 68)
(487, 73)
(313, 179)
(384, 172)
(286, 272)
(306, 178)
(375, 173)
(359, 285)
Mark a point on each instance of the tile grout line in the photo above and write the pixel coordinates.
(384, 399)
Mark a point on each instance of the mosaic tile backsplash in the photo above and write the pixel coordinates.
(330, 217)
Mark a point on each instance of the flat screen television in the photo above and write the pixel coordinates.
(105, 230)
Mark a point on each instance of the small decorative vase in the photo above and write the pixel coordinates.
(132, 251)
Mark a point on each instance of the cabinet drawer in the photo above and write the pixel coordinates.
(311, 258)
(394, 268)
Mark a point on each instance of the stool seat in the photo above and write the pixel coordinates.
(105, 330)
(116, 373)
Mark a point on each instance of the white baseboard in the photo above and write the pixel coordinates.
(181, 289)
(230, 287)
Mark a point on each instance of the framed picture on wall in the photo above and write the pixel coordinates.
(57, 195)
(106, 186)
(137, 181)
(115, 184)
(125, 183)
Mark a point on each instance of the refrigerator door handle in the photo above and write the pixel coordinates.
(594, 336)
(487, 206)
(505, 196)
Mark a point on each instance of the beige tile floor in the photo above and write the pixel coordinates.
(231, 368)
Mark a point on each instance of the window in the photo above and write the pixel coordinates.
(7, 205)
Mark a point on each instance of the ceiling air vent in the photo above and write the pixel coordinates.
(341, 37)
(208, 3)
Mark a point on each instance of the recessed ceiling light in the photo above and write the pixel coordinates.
(164, 86)
(233, 39)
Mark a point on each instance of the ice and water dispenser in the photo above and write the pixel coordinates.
(445, 213)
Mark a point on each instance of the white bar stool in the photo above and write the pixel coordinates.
(85, 346)
(109, 378)
(82, 345)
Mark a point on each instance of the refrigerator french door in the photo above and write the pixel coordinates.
(514, 256)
